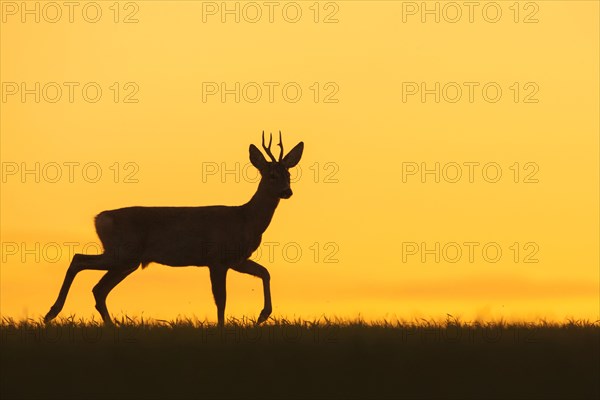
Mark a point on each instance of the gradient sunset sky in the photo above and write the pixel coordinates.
(362, 232)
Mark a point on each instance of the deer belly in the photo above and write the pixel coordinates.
(200, 252)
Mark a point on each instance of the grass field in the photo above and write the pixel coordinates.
(75, 359)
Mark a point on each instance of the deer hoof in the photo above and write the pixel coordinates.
(263, 317)
(51, 315)
(108, 323)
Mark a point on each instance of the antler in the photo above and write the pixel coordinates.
(280, 146)
(268, 149)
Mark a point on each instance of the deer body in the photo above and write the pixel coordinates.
(180, 236)
(218, 237)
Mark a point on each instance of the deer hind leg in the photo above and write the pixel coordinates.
(218, 277)
(252, 268)
(79, 263)
(107, 283)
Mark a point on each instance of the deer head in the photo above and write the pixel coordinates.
(275, 177)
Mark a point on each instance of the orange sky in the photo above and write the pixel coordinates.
(163, 132)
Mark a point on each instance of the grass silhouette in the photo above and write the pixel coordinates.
(324, 358)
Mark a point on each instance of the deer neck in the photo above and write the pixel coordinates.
(260, 209)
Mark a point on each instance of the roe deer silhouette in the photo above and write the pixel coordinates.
(219, 237)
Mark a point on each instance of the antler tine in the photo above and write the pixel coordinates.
(268, 149)
(280, 146)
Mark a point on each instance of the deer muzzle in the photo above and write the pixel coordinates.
(286, 194)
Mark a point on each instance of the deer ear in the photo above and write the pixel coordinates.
(293, 157)
(256, 158)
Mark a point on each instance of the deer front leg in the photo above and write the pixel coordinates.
(252, 268)
(218, 277)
